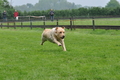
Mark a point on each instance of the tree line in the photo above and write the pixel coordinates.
(79, 12)
(58, 5)
(48, 4)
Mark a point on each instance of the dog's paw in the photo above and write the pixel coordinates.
(59, 44)
(64, 50)
(41, 43)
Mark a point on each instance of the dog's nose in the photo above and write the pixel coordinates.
(63, 37)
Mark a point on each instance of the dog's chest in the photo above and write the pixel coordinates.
(51, 40)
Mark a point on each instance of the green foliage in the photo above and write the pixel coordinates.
(48, 4)
(115, 11)
(90, 55)
(4, 5)
(86, 12)
(65, 9)
(113, 4)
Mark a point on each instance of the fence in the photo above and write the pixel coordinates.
(69, 23)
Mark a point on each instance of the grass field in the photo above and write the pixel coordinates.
(90, 55)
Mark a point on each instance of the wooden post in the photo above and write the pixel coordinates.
(31, 24)
(21, 24)
(71, 23)
(93, 22)
(57, 22)
(44, 23)
(14, 25)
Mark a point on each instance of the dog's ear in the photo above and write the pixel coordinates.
(63, 27)
(56, 28)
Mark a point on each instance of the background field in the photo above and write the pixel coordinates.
(90, 55)
(98, 21)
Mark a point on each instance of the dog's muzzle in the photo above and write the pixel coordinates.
(62, 37)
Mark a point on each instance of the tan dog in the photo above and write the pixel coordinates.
(55, 35)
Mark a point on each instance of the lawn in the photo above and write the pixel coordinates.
(90, 55)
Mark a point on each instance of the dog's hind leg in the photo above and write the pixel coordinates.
(43, 40)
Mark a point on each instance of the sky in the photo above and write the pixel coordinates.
(81, 2)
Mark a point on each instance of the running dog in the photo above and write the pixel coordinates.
(55, 35)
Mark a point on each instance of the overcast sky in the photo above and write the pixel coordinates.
(82, 2)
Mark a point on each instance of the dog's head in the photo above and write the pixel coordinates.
(60, 32)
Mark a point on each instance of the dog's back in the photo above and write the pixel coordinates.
(46, 33)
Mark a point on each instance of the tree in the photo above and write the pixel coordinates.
(4, 5)
(29, 5)
(48, 4)
(113, 4)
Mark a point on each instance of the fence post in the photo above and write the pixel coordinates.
(93, 22)
(44, 23)
(21, 24)
(14, 25)
(57, 22)
(31, 24)
(71, 23)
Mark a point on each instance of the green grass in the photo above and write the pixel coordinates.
(101, 21)
(90, 55)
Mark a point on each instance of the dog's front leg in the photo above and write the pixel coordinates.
(63, 44)
(57, 42)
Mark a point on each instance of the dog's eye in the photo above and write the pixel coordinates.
(60, 32)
